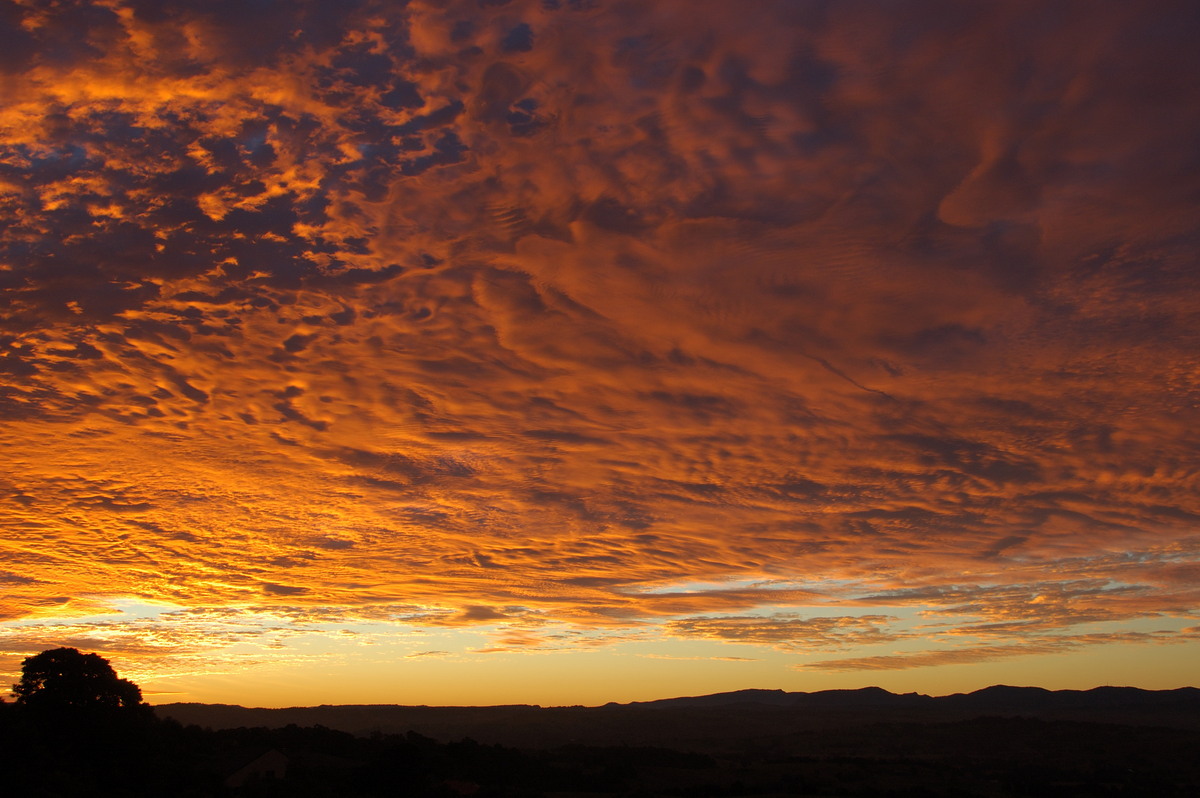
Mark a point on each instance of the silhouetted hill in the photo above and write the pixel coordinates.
(1005, 699)
(753, 749)
(771, 697)
(740, 720)
(998, 698)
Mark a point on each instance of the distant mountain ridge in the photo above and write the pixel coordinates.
(997, 697)
(720, 721)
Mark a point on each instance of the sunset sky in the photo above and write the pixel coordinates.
(573, 351)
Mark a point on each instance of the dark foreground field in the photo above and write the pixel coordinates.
(997, 742)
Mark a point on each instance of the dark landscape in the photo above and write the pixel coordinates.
(741, 720)
(998, 741)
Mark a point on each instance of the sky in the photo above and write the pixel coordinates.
(574, 351)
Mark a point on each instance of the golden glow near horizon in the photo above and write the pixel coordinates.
(566, 352)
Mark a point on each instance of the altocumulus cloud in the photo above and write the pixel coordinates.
(491, 312)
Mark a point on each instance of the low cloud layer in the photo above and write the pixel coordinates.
(571, 320)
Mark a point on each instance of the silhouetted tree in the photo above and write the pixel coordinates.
(63, 678)
(77, 728)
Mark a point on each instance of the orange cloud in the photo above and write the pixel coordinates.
(788, 631)
(526, 316)
(973, 654)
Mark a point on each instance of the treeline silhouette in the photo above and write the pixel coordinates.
(145, 756)
(78, 730)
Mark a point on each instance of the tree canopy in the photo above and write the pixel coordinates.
(65, 678)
